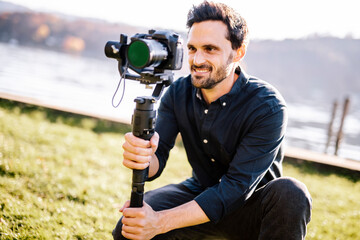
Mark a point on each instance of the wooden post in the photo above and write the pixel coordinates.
(340, 132)
(330, 129)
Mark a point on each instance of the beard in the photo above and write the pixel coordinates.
(214, 78)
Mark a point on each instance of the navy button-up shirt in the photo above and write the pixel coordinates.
(232, 144)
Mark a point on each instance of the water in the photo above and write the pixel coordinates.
(87, 85)
(73, 82)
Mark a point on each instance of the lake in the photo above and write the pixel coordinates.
(87, 85)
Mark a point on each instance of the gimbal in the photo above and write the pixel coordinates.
(152, 57)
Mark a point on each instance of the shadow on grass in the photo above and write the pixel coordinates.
(71, 119)
(6, 172)
(313, 168)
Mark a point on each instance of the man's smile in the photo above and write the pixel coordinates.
(201, 69)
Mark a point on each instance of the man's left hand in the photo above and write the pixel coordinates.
(139, 223)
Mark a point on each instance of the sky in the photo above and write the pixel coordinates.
(267, 19)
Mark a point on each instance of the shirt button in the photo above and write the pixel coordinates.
(205, 141)
(224, 104)
(213, 160)
(206, 111)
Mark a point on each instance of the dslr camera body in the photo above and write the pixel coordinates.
(152, 56)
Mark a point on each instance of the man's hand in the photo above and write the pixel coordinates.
(138, 152)
(139, 223)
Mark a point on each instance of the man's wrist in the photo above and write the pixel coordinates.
(188, 214)
(153, 166)
(164, 222)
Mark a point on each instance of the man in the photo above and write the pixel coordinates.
(232, 126)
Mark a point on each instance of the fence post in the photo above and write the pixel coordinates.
(330, 129)
(340, 132)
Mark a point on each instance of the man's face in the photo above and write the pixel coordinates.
(210, 53)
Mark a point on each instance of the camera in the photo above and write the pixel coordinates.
(152, 56)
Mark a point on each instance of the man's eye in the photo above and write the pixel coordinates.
(209, 49)
(191, 48)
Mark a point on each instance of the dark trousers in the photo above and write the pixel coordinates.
(279, 210)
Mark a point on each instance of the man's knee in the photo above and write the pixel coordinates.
(292, 188)
(289, 183)
(291, 194)
(286, 209)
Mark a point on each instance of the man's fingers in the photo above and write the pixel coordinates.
(134, 212)
(135, 165)
(130, 229)
(136, 157)
(128, 147)
(133, 222)
(135, 141)
(129, 235)
(154, 141)
(126, 205)
(138, 152)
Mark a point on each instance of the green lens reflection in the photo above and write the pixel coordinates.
(138, 54)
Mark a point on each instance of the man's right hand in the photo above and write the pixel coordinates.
(138, 153)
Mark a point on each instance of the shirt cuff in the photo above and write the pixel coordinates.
(211, 204)
(158, 173)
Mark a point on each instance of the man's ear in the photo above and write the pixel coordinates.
(240, 52)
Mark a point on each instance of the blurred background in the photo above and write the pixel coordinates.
(52, 54)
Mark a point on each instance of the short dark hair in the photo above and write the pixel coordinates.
(237, 27)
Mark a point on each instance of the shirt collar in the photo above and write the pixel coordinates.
(198, 94)
(239, 83)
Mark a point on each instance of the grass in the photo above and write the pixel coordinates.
(61, 175)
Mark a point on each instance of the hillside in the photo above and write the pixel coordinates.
(318, 69)
(10, 7)
(86, 37)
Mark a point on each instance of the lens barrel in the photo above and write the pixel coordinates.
(143, 53)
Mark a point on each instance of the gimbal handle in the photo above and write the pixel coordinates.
(143, 122)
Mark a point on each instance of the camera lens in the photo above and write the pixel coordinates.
(145, 53)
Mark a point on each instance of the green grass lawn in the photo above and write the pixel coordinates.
(61, 177)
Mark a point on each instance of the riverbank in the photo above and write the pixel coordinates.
(61, 175)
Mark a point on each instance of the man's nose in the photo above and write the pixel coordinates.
(198, 58)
